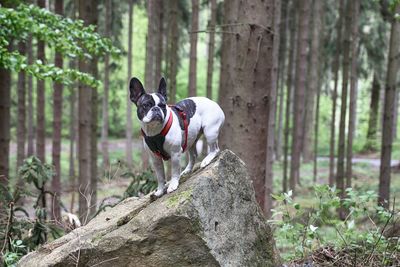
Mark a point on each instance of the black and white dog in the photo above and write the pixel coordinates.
(169, 131)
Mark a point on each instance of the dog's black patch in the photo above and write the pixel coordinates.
(156, 145)
(162, 104)
(188, 106)
(144, 104)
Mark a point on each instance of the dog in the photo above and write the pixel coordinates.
(169, 131)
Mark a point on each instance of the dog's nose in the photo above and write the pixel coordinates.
(154, 108)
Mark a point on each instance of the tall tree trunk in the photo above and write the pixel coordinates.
(299, 99)
(40, 114)
(93, 17)
(313, 83)
(335, 70)
(57, 126)
(129, 103)
(21, 129)
(104, 128)
(246, 61)
(269, 157)
(396, 112)
(211, 47)
(289, 84)
(85, 116)
(371, 144)
(193, 49)
(388, 118)
(159, 40)
(353, 92)
(31, 132)
(173, 50)
(340, 173)
(281, 76)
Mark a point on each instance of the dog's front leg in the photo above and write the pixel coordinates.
(158, 166)
(175, 171)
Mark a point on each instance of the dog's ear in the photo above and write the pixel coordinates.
(136, 90)
(162, 88)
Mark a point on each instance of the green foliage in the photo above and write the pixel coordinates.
(141, 184)
(300, 231)
(36, 172)
(12, 257)
(69, 37)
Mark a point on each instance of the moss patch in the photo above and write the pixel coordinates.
(180, 197)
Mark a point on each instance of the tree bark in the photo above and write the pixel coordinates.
(335, 70)
(353, 92)
(388, 117)
(104, 128)
(129, 103)
(308, 153)
(85, 116)
(269, 159)
(173, 50)
(289, 84)
(31, 132)
(159, 40)
(246, 83)
(193, 49)
(371, 144)
(57, 126)
(211, 47)
(299, 99)
(21, 129)
(5, 103)
(340, 173)
(40, 113)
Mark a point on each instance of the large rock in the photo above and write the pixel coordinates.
(211, 220)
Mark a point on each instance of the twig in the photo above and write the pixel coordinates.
(9, 222)
(97, 264)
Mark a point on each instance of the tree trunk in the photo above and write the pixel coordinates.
(269, 159)
(85, 116)
(40, 113)
(396, 112)
(57, 126)
(340, 173)
(353, 93)
(371, 144)
(299, 99)
(211, 47)
(129, 132)
(246, 83)
(313, 83)
(193, 49)
(388, 117)
(31, 132)
(21, 129)
(281, 76)
(93, 16)
(335, 70)
(5, 103)
(289, 84)
(173, 50)
(104, 128)
(159, 40)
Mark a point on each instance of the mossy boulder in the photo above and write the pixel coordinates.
(211, 220)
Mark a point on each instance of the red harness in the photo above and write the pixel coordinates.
(166, 128)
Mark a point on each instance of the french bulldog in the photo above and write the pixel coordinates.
(169, 131)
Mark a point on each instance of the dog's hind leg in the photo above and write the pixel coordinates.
(211, 133)
(192, 159)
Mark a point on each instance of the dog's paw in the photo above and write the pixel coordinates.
(159, 192)
(186, 171)
(173, 185)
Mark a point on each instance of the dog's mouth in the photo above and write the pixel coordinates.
(155, 117)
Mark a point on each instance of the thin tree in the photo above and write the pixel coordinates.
(373, 114)
(289, 84)
(85, 116)
(211, 47)
(335, 70)
(31, 132)
(388, 117)
(105, 121)
(247, 113)
(353, 93)
(57, 126)
(160, 39)
(193, 48)
(340, 173)
(173, 49)
(40, 104)
(21, 125)
(299, 96)
(129, 133)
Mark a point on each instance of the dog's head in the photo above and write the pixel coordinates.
(151, 108)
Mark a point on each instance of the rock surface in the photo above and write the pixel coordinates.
(211, 220)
